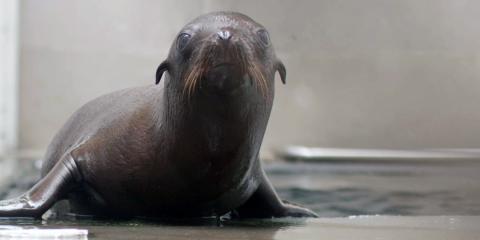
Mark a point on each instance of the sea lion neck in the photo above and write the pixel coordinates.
(215, 123)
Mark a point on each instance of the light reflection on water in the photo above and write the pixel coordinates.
(141, 229)
(358, 228)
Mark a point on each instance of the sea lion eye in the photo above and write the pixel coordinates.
(264, 38)
(182, 40)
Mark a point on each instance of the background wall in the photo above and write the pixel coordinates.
(372, 73)
(8, 76)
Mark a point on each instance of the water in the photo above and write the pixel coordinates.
(339, 190)
(342, 194)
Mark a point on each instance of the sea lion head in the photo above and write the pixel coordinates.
(219, 54)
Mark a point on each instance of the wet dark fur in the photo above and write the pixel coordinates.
(187, 149)
(204, 58)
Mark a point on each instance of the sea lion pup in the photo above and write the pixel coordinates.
(187, 149)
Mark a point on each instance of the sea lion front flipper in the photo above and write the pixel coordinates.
(265, 203)
(45, 193)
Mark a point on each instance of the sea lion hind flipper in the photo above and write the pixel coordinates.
(265, 203)
(51, 188)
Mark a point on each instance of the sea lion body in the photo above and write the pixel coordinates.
(116, 145)
(187, 149)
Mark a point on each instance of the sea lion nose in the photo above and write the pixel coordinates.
(224, 35)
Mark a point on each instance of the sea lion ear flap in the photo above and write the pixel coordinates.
(160, 70)
(282, 71)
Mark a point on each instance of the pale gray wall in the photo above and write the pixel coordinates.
(371, 73)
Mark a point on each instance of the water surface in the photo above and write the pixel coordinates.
(402, 201)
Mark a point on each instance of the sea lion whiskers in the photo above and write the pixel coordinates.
(253, 69)
(259, 78)
(198, 68)
(251, 66)
(202, 61)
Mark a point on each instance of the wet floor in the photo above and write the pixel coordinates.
(358, 228)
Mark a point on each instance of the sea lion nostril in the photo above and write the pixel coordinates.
(224, 35)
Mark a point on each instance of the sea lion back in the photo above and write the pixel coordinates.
(106, 114)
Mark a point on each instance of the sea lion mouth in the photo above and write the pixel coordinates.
(222, 79)
(221, 69)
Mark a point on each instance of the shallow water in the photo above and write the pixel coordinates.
(339, 190)
(334, 191)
